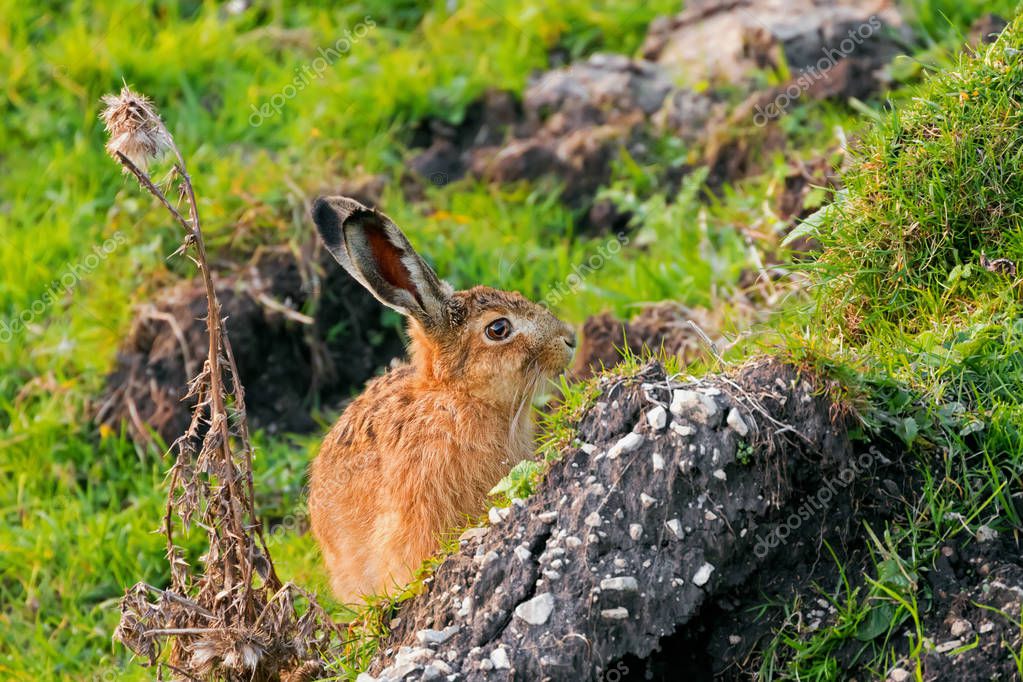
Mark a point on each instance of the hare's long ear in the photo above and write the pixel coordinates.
(377, 254)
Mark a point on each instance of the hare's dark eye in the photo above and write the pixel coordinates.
(499, 330)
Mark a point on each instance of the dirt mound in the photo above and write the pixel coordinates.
(574, 121)
(636, 532)
(303, 332)
(678, 533)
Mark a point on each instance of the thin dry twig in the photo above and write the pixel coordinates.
(235, 620)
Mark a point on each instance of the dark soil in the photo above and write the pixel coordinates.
(304, 333)
(629, 544)
(659, 328)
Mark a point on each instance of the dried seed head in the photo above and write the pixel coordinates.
(135, 128)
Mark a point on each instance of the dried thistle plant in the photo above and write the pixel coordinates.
(235, 620)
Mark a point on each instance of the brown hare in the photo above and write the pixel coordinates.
(423, 444)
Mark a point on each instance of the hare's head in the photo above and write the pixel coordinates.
(490, 343)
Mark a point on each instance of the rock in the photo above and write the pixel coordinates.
(430, 637)
(593, 520)
(617, 613)
(737, 423)
(537, 610)
(702, 575)
(473, 534)
(898, 675)
(627, 444)
(635, 531)
(675, 526)
(986, 534)
(646, 500)
(498, 514)
(499, 657)
(658, 461)
(621, 584)
(436, 670)
(657, 417)
(548, 517)
(960, 627)
(523, 553)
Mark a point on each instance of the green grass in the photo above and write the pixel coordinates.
(79, 506)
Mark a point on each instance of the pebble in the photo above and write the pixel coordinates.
(960, 627)
(635, 531)
(473, 534)
(499, 657)
(592, 520)
(588, 448)
(436, 670)
(646, 500)
(537, 610)
(898, 675)
(675, 526)
(737, 423)
(658, 461)
(523, 553)
(986, 534)
(720, 475)
(683, 430)
(622, 584)
(548, 517)
(734, 640)
(703, 575)
(627, 444)
(986, 627)
(657, 418)
(573, 542)
(497, 515)
(618, 613)
(430, 637)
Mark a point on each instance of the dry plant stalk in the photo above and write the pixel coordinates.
(235, 620)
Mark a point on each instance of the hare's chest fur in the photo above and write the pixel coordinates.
(402, 467)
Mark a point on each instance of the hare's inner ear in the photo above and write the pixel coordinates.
(377, 254)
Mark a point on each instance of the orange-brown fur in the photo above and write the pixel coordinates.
(423, 444)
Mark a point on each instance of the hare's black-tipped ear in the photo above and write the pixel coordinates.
(376, 253)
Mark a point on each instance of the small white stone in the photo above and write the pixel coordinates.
(592, 520)
(675, 526)
(622, 584)
(657, 418)
(734, 639)
(499, 657)
(720, 475)
(618, 613)
(898, 675)
(960, 627)
(497, 515)
(684, 430)
(737, 423)
(635, 531)
(547, 517)
(986, 534)
(572, 542)
(537, 610)
(710, 516)
(658, 461)
(523, 553)
(625, 445)
(646, 500)
(429, 637)
(588, 448)
(703, 575)
(986, 627)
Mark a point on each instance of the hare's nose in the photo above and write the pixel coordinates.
(569, 338)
